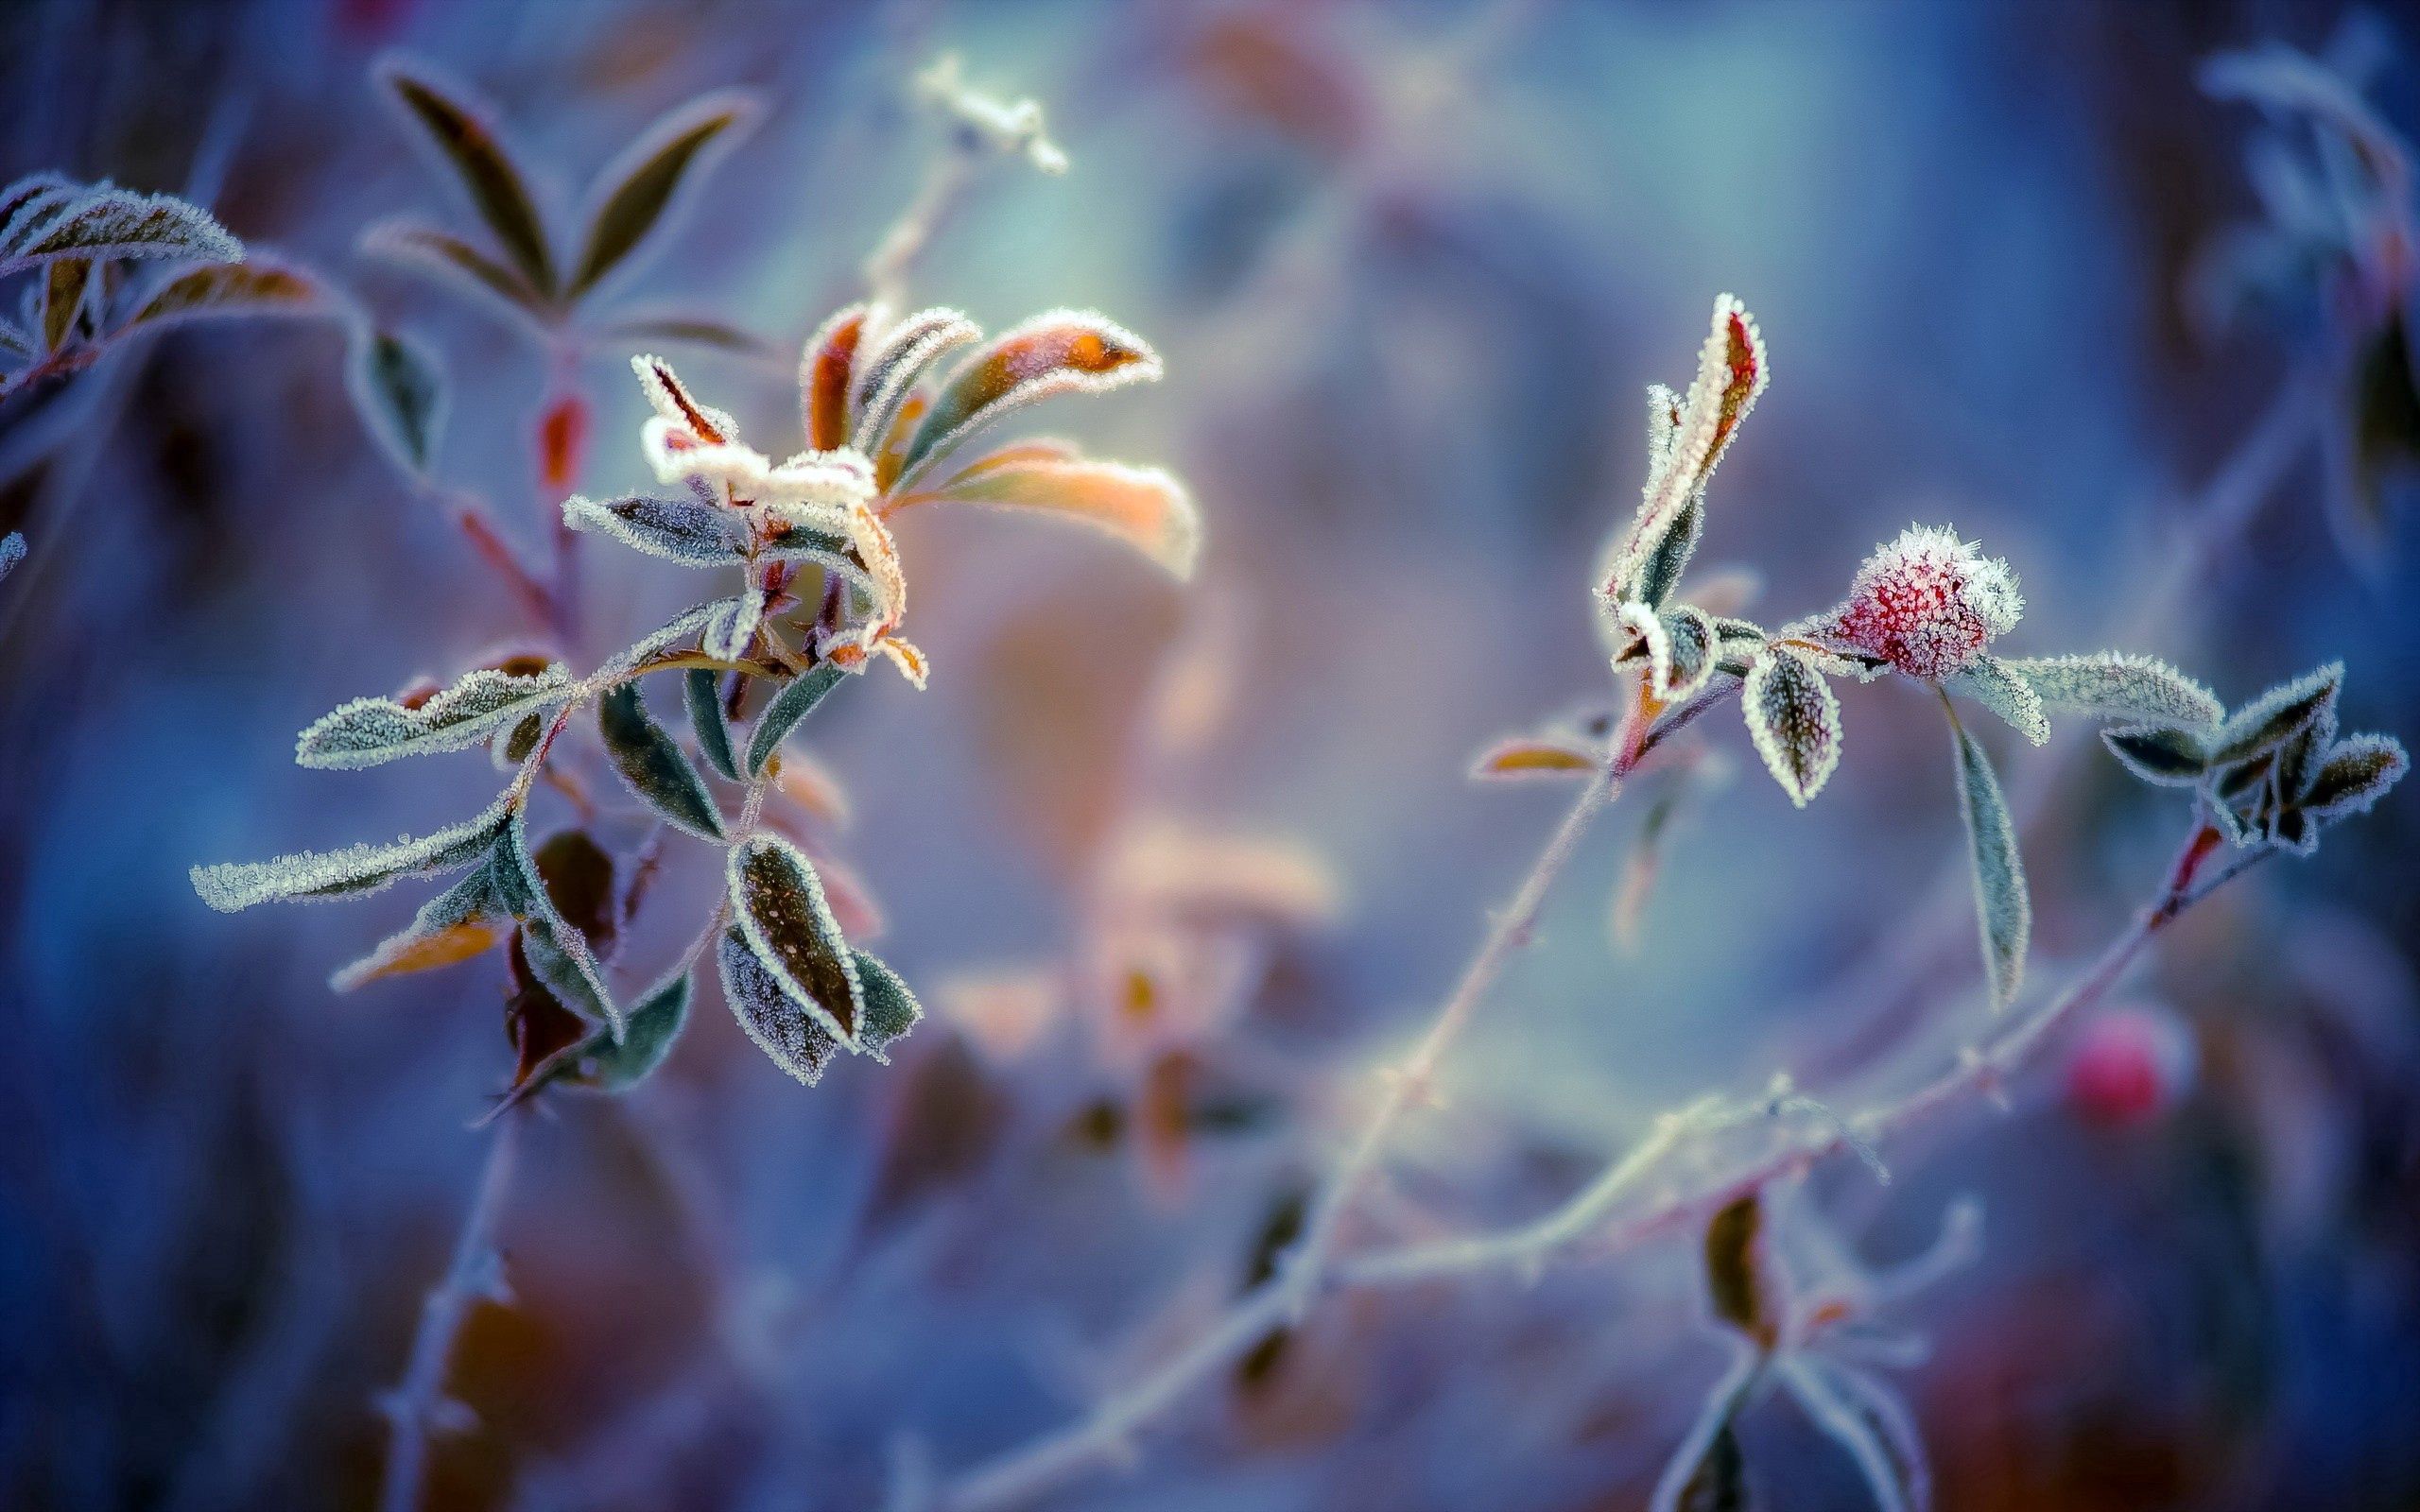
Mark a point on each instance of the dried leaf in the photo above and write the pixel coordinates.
(2357, 772)
(369, 731)
(1866, 1419)
(2001, 906)
(458, 924)
(1144, 507)
(777, 902)
(2276, 716)
(702, 689)
(796, 1039)
(890, 1009)
(356, 869)
(2121, 685)
(793, 703)
(2002, 688)
(1793, 719)
(399, 390)
(2159, 754)
(654, 767)
(409, 244)
(1743, 1285)
(1057, 352)
(233, 289)
(468, 143)
(689, 531)
(100, 221)
(647, 176)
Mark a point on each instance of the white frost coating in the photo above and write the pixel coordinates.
(731, 625)
(682, 530)
(2278, 715)
(888, 373)
(1695, 647)
(1012, 127)
(369, 731)
(2122, 685)
(1929, 603)
(1793, 719)
(960, 410)
(1641, 623)
(2357, 772)
(795, 1041)
(2003, 908)
(361, 868)
(100, 220)
(1710, 417)
(796, 907)
(1997, 686)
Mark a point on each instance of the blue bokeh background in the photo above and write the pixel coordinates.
(1407, 302)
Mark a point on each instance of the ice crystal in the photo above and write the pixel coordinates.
(1927, 603)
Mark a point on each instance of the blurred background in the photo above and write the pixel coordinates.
(1410, 267)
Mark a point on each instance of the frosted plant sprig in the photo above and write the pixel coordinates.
(791, 973)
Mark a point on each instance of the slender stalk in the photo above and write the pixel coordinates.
(418, 1406)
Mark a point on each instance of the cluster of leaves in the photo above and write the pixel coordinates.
(821, 587)
(1815, 1339)
(87, 242)
(523, 270)
(2275, 772)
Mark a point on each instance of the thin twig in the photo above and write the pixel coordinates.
(418, 1406)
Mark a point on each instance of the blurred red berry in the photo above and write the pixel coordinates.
(2128, 1066)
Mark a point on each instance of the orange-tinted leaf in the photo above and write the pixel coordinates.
(1062, 351)
(1145, 507)
(823, 378)
(1526, 757)
(405, 955)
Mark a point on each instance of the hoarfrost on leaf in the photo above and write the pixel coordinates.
(2000, 688)
(2001, 906)
(455, 925)
(230, 886)
(638, 188)
(796, 1039)
(653, 764)
(369, 731)
(399, 388)
(2355, 775)
(60, 220)
(1059, 352)
(2159, 754)
(777, 904)
(1144, 507)
(890, 1009)
(793, 703)
(2120, 684)
(1793, 719)
(689, 531)
(2276, 716)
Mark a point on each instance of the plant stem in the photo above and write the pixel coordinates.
(416, 1405)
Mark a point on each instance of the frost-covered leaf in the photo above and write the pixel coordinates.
(361, 868)
(646, 176)
(12, 551)
(2003, 688)
(2276, 716)
(1744, 1284)
(796, 1039)
(559, 954)
(1144, 507)
(702, 691)
(1793, 719)
(65, 286)
(230, 290)
(824, 375)
(101, 221)
(2355, 775)
(1691, 649)
(2298, 760)
(689, 531)
(1731, 370)
(1670, 557)
(2159, 754)
(2002, 906)
(2121, 685)
(731, 628)
(468, 143)
(681, 627)
(369, 731)
(409, 244)
(1708, 1473)
(399, 388)
(888, 373)
(777, 902)
(1866, 1419)
(797, 699)
(655, 1022)
(458, 924)
(1059, 353)
(654, 766)
(890, 1009)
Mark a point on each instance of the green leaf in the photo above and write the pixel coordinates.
(2355, 775)
(890, 1009)
(654, 767)
(409, 244)
(792, 704)
(361, 868)
(777, 902)
(1691, 651)
(468, 143)
(369, 731)
(689, 531)
(648, 175)
(702, 690)
(654, 1025)
(62, 299)
(2001, 906)
(795, 1038)
(559, 954)
(2120, 685)
(2001, 688)
(399, 390)
(2159, 754)
(1793, 719)
(102, 221)
(2278, 715)
(235, 290)
(1671, 556)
